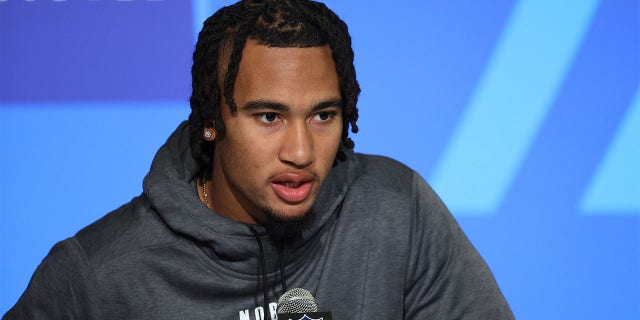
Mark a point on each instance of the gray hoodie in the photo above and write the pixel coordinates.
(383, 246)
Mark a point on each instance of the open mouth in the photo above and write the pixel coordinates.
(290, 185)
(291, 188)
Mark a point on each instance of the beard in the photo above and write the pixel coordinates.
(287, 228)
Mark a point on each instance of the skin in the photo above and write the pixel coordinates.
(282, 141)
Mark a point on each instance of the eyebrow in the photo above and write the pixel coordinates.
(276, 106)
(328, 104)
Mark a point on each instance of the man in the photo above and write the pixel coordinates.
(260, 191)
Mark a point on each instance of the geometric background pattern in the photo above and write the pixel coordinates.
(524, 115)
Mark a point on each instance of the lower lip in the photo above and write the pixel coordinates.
(292, 195)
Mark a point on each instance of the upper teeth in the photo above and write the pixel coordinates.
(289, 184)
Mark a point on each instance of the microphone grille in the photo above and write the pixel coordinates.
(297, 300)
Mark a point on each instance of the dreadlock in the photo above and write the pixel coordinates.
(275, 23)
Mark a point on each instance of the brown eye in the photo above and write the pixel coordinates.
(268, 117)
(324, 116)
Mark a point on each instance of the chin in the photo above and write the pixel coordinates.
(286, 225)
(291, 214)
(287, 211)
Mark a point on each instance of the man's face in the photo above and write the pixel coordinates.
(283, 139)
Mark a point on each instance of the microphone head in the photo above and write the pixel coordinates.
(297, 300)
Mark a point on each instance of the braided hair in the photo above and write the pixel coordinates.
(275, 23)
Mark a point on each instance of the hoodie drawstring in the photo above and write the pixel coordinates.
(282, 279)
(264, 269)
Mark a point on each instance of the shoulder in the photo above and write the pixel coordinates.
(385, 173)
(133, 227)
(386, 190)
(380, 174)
(63, 286)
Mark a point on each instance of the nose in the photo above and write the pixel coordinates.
(297, 146)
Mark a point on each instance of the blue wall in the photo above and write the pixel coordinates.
(524, 115)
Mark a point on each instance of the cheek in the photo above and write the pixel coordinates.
(328, 148)
(248, 151)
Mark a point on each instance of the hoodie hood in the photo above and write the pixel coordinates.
(171, 189)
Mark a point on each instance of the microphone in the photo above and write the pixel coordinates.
(299, 304)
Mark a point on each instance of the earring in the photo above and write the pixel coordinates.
(208, 135)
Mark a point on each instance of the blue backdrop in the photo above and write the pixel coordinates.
(523, 114)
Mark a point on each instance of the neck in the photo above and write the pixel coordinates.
(224, 201)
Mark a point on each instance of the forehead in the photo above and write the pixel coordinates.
(267, 70)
